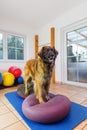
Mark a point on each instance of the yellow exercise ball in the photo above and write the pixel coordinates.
(8, 79)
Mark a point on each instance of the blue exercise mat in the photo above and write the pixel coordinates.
(77, 114)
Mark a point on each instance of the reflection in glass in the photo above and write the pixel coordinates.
(20, 54)
(11, 40)
(15, 47)
(1, 46)
(77, 55)
(11, 53)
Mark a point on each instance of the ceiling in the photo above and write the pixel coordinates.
(35, 13)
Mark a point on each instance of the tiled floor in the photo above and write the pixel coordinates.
(10, 120)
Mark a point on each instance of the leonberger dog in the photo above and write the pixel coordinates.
(40, 72)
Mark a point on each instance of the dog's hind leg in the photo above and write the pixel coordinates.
(26, 79)
(26, 85)
(35, 90)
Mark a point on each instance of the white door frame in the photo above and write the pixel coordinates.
(64, 30)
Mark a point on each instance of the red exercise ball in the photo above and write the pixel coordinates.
(11, 69)
(15, 71)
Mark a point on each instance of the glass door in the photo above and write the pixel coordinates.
(77, 55)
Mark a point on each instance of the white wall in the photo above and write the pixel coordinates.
(76, 14)
(18, 28)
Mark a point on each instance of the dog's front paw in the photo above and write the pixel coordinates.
(47, 97)
(41, 100)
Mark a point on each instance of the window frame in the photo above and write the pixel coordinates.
(64, 31)
(5, 46)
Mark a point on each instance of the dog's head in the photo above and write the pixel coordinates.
(48, 54)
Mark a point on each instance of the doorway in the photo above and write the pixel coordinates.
(77, 55)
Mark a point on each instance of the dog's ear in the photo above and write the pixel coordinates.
(55, 51)
(40, 54)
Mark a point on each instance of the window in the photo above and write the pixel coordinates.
(15, 47)
(1, 46)
(11, 47)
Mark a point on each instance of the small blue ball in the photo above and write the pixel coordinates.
(20, 80)
(0, 78)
